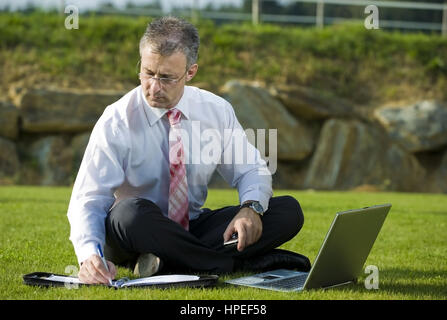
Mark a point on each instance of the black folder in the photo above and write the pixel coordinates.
(45, 279)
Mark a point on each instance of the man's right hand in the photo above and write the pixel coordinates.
(93, 271)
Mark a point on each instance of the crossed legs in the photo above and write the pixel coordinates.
(135, 226)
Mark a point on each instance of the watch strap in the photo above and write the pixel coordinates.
(248, 204)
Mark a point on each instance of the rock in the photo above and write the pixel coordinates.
(9, 159)
(78, 145)
(418, 127)
(308, 103)
(45, 110)
(255, 108)
(351, 153)
(54, 160)
(440, 176)
(9, 120)
(15, 94)
(290, 175)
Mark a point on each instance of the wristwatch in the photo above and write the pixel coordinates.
(255, 205)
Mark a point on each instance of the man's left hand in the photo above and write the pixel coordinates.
(248, 225)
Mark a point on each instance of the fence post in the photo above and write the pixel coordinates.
(62, 7)
(444, 20)
(320, 14)
(255, 11)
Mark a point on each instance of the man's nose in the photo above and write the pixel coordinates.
(155, 87)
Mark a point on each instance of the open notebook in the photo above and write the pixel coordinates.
(45, 279)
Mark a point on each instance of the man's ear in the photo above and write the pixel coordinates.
(192, 72)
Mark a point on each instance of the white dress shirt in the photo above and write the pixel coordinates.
(128, 156)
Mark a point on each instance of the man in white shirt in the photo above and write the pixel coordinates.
(143, 180)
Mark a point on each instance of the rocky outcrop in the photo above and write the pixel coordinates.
(351, 153)
(257, 109)
(78, 145)
(53, 160)
(418, 127)
(322, 142)
(45, 110)
(312, 104)
(9, 160)
(439, 177)
(9, 120)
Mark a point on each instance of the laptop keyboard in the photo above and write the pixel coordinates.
(288, 283)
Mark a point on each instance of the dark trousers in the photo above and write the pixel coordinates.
(136, 226)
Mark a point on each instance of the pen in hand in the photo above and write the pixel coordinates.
(98, 248)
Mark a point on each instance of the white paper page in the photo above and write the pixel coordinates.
(70, 280)
(171, 278)
(63, 279)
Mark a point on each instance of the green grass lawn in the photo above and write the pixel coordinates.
(410, 252)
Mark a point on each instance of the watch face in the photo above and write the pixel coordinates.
(257, 207)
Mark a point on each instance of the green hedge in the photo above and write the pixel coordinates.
(348, 60)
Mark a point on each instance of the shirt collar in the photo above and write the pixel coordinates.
(155, 114)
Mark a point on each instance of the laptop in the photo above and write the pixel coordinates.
(340, 259)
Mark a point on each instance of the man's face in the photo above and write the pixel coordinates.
(164, 93)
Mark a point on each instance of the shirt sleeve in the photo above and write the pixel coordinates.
(100, 173)
(242, 165)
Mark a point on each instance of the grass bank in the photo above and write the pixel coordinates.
(364, 66)
(410, 252)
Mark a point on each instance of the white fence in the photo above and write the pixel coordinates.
(319, 19)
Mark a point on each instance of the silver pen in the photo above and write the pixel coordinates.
(98, 249)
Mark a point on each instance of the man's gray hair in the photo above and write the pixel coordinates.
(168, 35)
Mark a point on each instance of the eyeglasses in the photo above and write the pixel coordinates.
(163, 81)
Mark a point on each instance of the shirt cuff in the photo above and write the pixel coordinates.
(256, 195)
(86, 251)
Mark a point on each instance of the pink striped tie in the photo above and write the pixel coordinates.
(178, 188)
